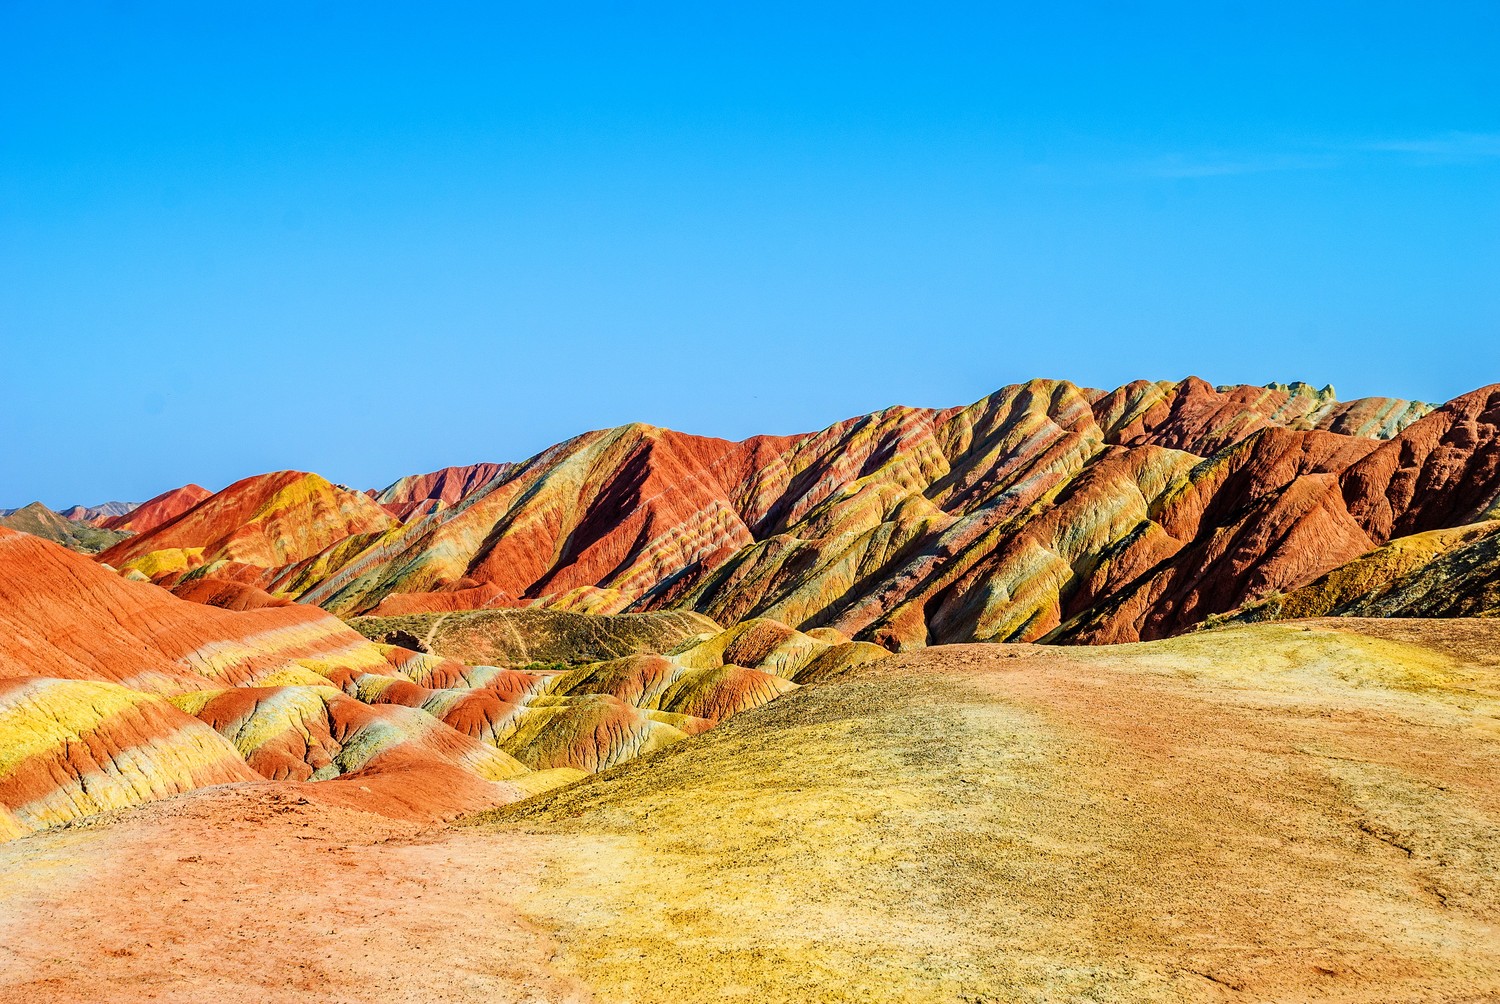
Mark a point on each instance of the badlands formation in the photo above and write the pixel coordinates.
(653, 717)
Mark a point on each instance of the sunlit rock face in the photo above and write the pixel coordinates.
(1045, 511)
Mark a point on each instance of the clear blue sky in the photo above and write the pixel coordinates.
(371, 239)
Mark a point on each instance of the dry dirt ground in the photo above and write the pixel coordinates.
(1281, 812)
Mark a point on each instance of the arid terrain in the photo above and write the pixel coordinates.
(1167, 693)
(777, 503)
(1288, 812)
(1045, 511)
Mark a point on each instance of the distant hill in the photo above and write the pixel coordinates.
(96, 515)
(39, 521)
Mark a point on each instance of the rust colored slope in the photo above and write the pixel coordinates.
(163, 508)
(269, 520)
(1443, 471)
(227, 594)
(420, 494)
(1265, 515)
(262, 894)
(1439, 573)
(62, 615)
(639, 506)
(1196, 417)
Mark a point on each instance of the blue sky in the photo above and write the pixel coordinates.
(372, 239)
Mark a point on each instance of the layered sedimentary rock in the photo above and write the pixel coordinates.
(1201, 419)
(153, 513)
(1437, 573)
(1259, 516)
(64, 617)
(422, 494)
(1045, 510)
(115, 692)
(1443, 471)
(261, 523)
(72, 748)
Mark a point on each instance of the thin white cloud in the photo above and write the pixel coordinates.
(1448, 148)
(1457, 146)
(1215, 167)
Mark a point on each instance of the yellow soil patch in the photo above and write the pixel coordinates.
(1263, 814)
(1260, 814)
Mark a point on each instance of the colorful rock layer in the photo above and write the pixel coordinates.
(115, 692)
(163, 508)
(1044, 511)
(421, 494)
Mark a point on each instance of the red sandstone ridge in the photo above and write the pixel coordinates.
(630, 506)
(1044, 510)
(1443, 471)
(267, 522)
(63, 616)
(227, 594)
(166, 506)
(421, 494)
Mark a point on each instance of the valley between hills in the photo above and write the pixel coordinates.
(1170, 692)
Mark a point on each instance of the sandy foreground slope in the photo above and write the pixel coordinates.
(1279, 812)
